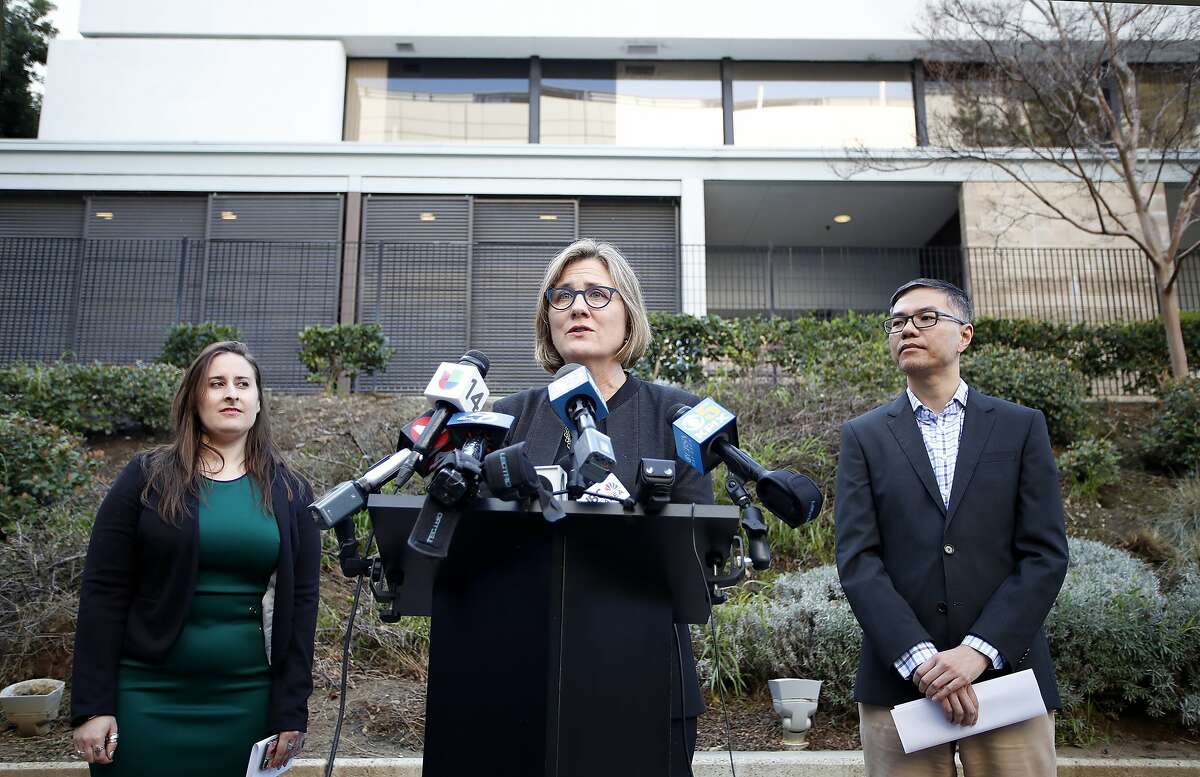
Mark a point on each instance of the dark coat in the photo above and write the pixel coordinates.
(639, 428)
(990, 566)
(138, 583)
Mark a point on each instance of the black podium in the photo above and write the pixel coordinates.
(551, 647)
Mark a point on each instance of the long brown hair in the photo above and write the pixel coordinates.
(173, 471)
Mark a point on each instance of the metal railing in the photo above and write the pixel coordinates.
(113, 300)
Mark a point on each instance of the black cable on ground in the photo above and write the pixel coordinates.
(337, 729)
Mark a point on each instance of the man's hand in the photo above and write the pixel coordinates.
(962, 706)
(949, 672)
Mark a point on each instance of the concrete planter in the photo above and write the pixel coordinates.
(32, 704)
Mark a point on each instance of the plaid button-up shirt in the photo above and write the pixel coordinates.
(942, 434)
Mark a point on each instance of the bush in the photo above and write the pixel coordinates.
(185, 341)
(1038, 381)
(812, 633)
(1172, 442)
(1108, 634)
(92, 398)
(1183, 624)
(331, 352)
(1179, 520)
(1088, 465)
(864, 367)
(39, 465)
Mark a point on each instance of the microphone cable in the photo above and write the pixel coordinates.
(712, 630)
(337, 729)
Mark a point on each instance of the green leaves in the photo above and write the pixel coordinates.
(39, 465)
(92, 398)
(185, 341)
(329, 352)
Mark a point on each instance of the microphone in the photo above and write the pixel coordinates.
(576, 399)
(512, 477)
(655, 479)
(706, 435)
(452, 386)
(456, 477)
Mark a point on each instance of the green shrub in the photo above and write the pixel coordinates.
(729, 649)
(331, 352)
(1034, 380)
(1088, 465)
(863, 367)
(185, 341)
(812, 633)
(1173, 440)
(1183, 628)
(39, 465)
(92, 398)
(1108, 635)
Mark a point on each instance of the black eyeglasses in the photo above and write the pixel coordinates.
(596, 297)
(924, 319)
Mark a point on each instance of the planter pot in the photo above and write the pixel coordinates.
(32, 704)
(795, 701)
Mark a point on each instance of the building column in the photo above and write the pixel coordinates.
(692, 267)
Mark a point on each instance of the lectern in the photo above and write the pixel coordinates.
(551, 645)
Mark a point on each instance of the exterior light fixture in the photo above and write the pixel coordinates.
(547, 217)
(842, 218)
(405, 48)
(228, 215)
(427, 216)
(104, 214)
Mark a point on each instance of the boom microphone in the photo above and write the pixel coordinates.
(576, 399)
(706, 436)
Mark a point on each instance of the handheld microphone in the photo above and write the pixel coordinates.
(411, 433)
(706, 436)
(576, 399)
(455, 478)
(452, 385)
(512, 477)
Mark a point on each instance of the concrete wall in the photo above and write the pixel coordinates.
(683, 28)
(999, 218)
(194, 91)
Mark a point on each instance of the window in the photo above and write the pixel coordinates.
(437, 101)
(641, 103)
(822, 105)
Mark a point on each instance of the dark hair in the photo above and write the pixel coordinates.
(958, 299)
(173, 470)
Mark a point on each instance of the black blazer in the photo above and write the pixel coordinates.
(639, 429)
(138, 583)
(990, 566)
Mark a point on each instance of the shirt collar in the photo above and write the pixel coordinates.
(960, 396)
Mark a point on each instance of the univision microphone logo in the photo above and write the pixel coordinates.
(451, 378)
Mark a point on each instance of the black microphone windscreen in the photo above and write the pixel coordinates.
(677, 410)
(479, 359)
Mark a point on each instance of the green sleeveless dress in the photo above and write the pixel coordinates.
(200, 710)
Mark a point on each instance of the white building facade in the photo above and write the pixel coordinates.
(273, 164)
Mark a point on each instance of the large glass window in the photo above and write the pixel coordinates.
(822, 105)
(642, 103)
(437, 101)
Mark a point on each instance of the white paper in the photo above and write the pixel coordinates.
(256, 757)
(609, 487)
(1003, 701)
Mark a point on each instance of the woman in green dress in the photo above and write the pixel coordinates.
(199, 598)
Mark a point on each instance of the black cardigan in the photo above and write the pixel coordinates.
(639, 428)
(138, 583)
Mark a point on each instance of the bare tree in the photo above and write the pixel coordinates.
(1105, 96)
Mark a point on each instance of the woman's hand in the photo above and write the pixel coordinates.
(96, 740)
(287, 746)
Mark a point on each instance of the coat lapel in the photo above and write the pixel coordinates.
(979, 422)
(904, 427)
(545, 433)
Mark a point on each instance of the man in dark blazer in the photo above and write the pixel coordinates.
(951, 547)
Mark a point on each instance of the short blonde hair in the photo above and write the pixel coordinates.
(637, 325)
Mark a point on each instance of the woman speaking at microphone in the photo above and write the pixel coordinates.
(590, 312)
(199, 598)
